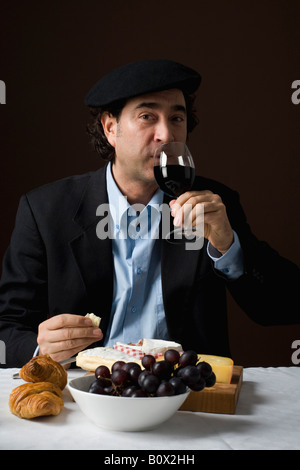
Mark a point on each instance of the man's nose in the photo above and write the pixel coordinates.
(164, 132)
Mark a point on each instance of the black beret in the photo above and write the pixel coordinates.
(138, 78)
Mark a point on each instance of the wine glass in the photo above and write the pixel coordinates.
(174, 171)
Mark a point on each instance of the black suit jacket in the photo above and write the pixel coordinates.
(56, 264)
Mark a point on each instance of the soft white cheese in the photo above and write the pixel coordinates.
(157, 346)
(90, 359)
(110, 353)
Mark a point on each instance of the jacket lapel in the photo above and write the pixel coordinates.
(180, 270)
(94, 256)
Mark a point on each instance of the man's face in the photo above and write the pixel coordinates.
(146, 122)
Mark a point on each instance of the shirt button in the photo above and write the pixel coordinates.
(139, 270)
(133, 309)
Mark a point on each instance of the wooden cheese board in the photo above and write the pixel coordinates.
(221, 398)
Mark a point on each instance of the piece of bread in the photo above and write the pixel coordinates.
(44, 369)
(32, 400)
(90, 359)
(95, 320)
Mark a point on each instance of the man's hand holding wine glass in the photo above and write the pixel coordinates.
(217, 228)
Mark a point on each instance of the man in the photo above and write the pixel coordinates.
(58, 267)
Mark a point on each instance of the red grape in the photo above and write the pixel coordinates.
(119, 377)
(172, 356)
(128, 391)
(211, 380)
(204, 368)
(134, 373)
(95, 387)
(165, 389)
(198, 386)
(190, 375)
(102, 371)
(162, 369)
(178, 384)
(150, 384)
(147, 361)
(188, 358)
(139, 393)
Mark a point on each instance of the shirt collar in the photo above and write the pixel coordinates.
(120, 203)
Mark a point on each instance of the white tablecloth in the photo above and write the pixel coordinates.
(267, 417)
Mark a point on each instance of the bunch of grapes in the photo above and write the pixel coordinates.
(171, 376)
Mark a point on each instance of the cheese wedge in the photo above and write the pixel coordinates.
(221, 366)
(90, 359)
(158, 346)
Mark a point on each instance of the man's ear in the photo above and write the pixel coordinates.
(109, 124)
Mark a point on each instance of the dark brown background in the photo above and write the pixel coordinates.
(248, 54)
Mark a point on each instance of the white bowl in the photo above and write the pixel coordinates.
(123, 413)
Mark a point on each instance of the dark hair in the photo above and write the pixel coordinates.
(98, 137)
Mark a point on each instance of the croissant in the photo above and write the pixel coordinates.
(44, 369)
(31, 400)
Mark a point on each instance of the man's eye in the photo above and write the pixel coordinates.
(146, 117)
(178, 118)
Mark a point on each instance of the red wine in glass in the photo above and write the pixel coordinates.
(174, 169)
(174, 180)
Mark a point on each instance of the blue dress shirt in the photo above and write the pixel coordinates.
(137, 308)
